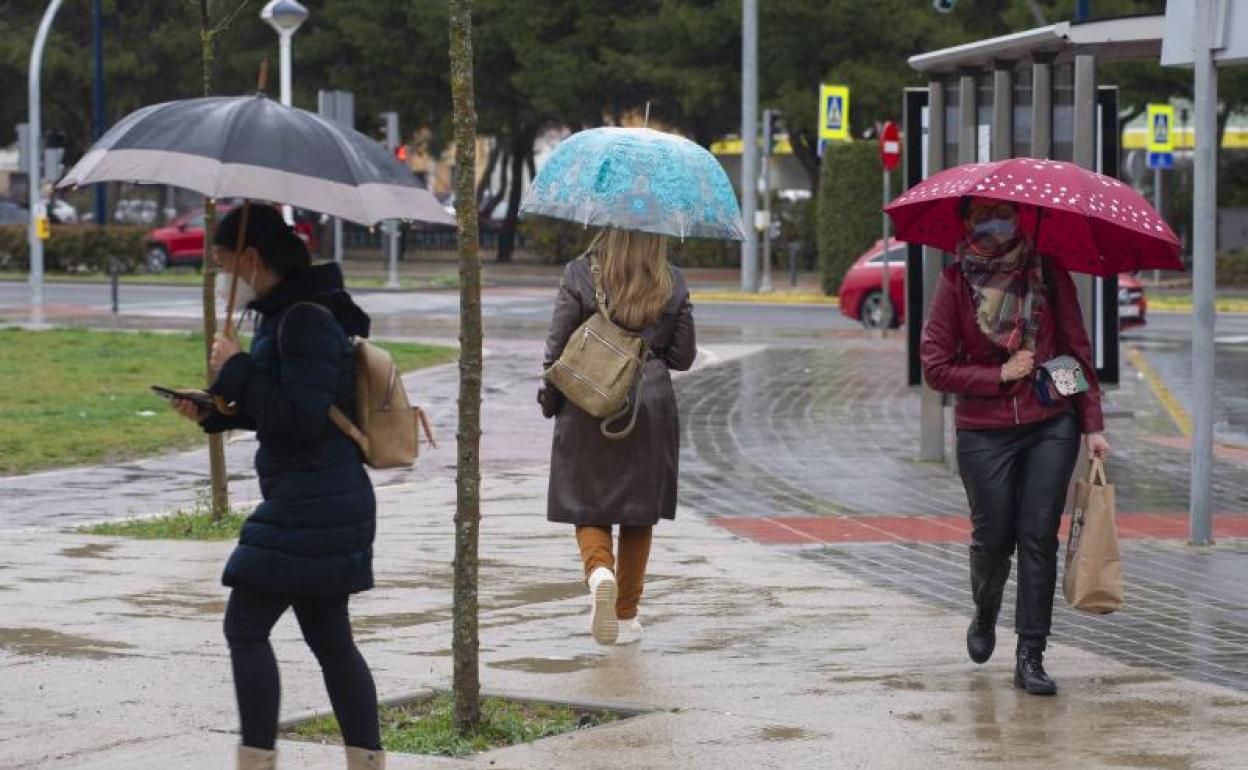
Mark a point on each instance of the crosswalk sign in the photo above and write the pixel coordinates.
(1160, 128)
(833, 113)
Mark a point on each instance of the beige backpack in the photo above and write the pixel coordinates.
(600, 364)
(386, 427)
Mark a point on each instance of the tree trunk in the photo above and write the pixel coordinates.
(491, 163)
(466, 679)
(219, 482)
(496, 196)
(521, 148)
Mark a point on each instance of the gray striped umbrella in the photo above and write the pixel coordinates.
(253, 147)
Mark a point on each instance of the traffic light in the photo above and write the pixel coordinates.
(400, 152)
(773, 124)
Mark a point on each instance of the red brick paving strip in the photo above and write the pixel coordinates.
(799, 530)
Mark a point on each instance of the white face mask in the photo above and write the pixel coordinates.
(244, 294)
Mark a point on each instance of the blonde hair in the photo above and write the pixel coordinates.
(635, 275)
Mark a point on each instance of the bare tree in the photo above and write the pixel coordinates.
(219, 483)
(466, 681)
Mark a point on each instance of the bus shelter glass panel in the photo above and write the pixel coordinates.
(953, 100)
(1022, 110)
(983, 117)
(1064, 112)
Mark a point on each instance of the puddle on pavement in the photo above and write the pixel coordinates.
(201, 606)
(536, 593)
(48, 643)
(901, 683)
(89, 551)
(781, 733)
(549, 665)
(443, 653)
(1152, 761)
(371, 624)
(1134, 677)
(1148, 712)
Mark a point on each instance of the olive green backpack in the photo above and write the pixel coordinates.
(600, 364)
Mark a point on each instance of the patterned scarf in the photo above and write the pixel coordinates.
(1007, 285)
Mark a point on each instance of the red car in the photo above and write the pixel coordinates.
(862, 292)
(181, 242)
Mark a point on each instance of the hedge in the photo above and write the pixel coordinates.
(76, 248)
(1233, 269)
(848, 207)
(555, 242)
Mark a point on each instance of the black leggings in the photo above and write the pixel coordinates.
(1016, 480)
(326, 626)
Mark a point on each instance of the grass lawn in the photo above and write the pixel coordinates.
(189, 277)
(195, 524)
(70, 397)
(1182, 303)
(427, 726)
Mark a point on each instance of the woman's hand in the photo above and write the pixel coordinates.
(223, 349)
(189, 410)
(1098, 445)
(1020, 365)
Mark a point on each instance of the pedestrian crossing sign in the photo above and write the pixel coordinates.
(1160, 128)
(833, 113)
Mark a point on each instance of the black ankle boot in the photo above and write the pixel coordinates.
(1029, 674)
(988, 576)
(981, 638)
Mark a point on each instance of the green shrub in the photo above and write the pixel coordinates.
(848, 216)
(1233, 269)
(553, 242)
(75, 248)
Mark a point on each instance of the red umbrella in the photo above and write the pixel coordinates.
(1088, 222)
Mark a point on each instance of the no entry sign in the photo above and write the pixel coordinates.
(890, 146)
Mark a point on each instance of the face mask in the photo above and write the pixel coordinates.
(244, 294)
(1001, 231)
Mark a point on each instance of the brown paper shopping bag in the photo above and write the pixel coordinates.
(1093, 581)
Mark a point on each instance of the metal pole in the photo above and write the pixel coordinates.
(1204, 200)
(283, 46)
(1082, 10)
(1157, 202)
(749, 143)
(338, 240)
(101, 192)
(390, 228)
(886, 277)
(931, 405)
(36, 161)
(766, 283)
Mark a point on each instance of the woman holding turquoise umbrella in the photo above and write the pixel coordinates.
(642, 187)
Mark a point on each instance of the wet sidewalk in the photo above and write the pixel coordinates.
(112, 658)
(759, 652)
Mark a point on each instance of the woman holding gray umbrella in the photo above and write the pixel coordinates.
(308, 546)
(641, 186)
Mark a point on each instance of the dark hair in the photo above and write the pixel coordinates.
(280, 248)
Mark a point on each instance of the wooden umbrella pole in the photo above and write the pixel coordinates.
(263, 81)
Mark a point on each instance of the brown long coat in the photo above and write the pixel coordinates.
(632, 481)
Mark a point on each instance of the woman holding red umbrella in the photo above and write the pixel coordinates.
(1000, 314)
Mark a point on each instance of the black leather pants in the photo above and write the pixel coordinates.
(1016, 480)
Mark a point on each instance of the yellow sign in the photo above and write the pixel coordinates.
(834, 113)
(42, 229)
(1160, 128)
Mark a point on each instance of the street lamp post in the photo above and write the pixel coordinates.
(285, 16)
(37, 212)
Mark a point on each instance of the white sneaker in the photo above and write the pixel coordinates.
(630, 632)
(603, 591)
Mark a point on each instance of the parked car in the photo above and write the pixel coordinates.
(862, 294)
(135, 211)
(12, 214)
(181, 242)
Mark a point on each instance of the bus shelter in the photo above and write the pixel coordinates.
(1029, 94)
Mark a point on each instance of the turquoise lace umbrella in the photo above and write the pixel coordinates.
(637, 179)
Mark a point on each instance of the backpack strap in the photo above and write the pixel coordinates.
(336, 415)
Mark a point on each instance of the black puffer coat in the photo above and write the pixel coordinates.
(313, 534)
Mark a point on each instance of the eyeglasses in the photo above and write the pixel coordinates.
(981, 214)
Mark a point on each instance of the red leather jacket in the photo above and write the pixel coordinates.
(959, 358)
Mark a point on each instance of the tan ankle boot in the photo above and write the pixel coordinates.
(365, 759)
(256, 759)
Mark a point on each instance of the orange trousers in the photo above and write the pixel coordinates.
(629, 568)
